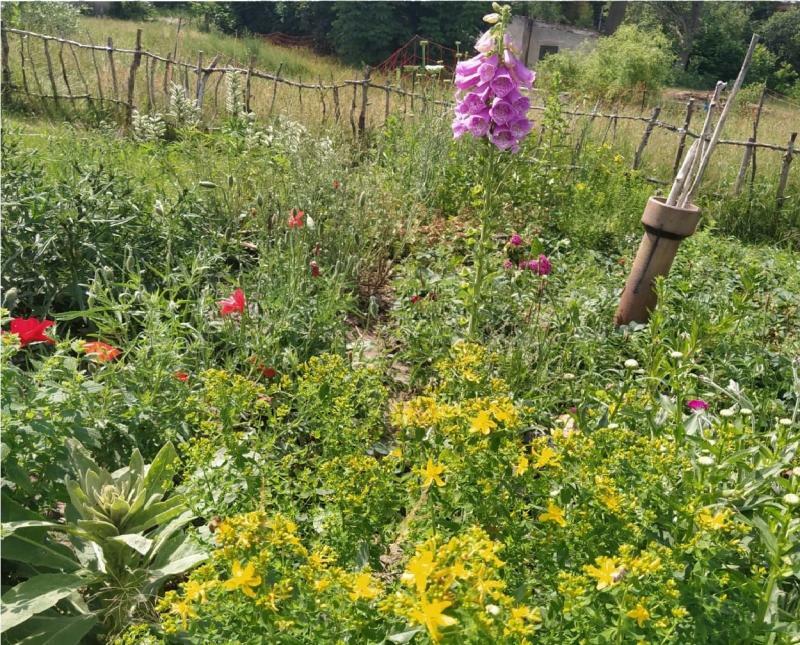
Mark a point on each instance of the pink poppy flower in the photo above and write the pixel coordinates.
(234, 304)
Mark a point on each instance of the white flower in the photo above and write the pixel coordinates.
(727, 412)
(705, 460)
(491, 18)
(746, 412)
(785, 422)
(791, 499)
(631, 364)
(494, 610)
(568, 376)
(676, 355)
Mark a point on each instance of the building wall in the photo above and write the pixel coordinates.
(531, 36)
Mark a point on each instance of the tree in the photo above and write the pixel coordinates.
(781, 32)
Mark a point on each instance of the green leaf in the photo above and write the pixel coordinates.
(403, 637)
(769, 539)
(61, 630)
(9, 528)
(30, 547)
(137, 542)
(161, 470)
(174, 568)
(35, 595)
(157, 514)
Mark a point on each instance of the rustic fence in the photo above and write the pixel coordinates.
(58, 72)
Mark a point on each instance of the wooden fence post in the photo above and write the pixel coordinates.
(387, 88)
(203, 79)
(199, 72)
(787, 161)
(80, 74)
(337, 110)
(64, 74)
(50, 73)
(362, 118)
(137, 59)
(749, 151)
(756, 121)
(22, 66)
(113, 69)
(150, 69)
(247, 82)
(322, 98)
(6, 67)
(97, 71)
(353, 126)
(275, 89)
(637, 159)
(682, 140)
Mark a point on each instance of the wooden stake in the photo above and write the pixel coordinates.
(22, 65)
(50, 73)
(637, 158)
(787, 161)
(80, 71)
(113, 67)
(64, 74)
(322, 99)
(97, 72)
(247, 81)
(362, 118)
(755, 134)
(682, 139)
(275, 89)
(167, 75)
(6, 68)
(387, 89)
(150, 70)
(353, 111)
(199, 72)
(337, 110)
(137, 59)
(722, 118)
(203, 79)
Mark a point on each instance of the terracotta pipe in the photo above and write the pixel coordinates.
(665, 227)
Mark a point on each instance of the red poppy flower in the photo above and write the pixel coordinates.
(234, 304)
(268, 372)
(181, 376)
(295, 219)
(336, 184)
(101, 352)
(31, 330)
(415, 298)
(315, 272)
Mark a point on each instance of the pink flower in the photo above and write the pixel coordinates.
(540, 266)
(501, 111)
(515, 240)
(502, 83)
(508, 264)
(234, 304)
(697, 405)
(31, 330)
(315, 272)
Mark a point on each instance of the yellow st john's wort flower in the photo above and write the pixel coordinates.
(430, 615)
(184, 610)
(607, 572)
(418, 569)
(522, 466)
(362, 588)
(553, 514)
(432, 474)
(715, 522)
(244, 578)
(482, 423)
(546, 457)
(194, 590)
(639, 614)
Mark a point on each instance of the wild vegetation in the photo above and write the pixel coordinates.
(251, 392)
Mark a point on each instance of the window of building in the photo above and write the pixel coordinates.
(546, 50)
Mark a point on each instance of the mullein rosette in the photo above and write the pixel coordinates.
(489, 100)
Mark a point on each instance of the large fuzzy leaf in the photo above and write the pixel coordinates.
(35, 595)
(160, 472)
(55, 630)
(158, 513)
(135, 541)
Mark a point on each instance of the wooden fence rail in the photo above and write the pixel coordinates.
(115, 84)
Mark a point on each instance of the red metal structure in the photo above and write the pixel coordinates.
(411, 54)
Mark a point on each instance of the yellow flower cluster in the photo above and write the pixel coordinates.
(458, 583)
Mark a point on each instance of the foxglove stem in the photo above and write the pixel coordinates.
(487, 210)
